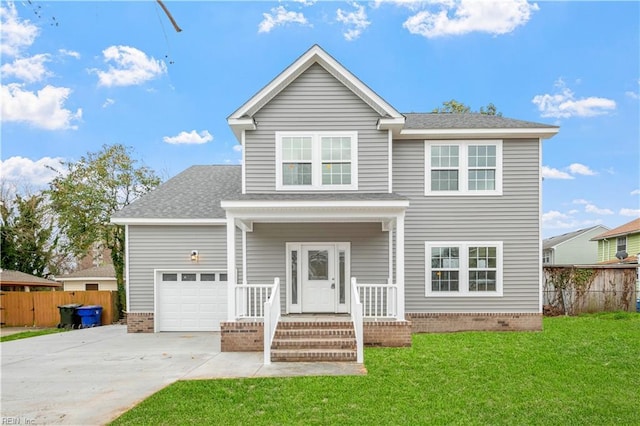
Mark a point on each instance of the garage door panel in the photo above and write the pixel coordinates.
(191, 305)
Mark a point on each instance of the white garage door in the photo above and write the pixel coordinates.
(191, 301)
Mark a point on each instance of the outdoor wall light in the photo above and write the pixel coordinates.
(194, 255)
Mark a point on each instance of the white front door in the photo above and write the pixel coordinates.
(318, 278)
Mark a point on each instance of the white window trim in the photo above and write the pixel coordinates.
(463, 166)
(464, 268)
(316, 162)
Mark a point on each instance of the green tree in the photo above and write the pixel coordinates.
(28, 238)
(87, 192)
(456, 107)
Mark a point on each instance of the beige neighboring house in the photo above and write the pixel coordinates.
(96, 278)
(20, 281)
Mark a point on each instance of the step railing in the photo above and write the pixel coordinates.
(378, 300)
(271, 317)
(250, 300)
(358, 322)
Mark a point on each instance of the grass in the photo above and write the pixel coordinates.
(580, 370)
(31, 333)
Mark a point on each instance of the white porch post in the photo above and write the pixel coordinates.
(231, 267)
(400, 265)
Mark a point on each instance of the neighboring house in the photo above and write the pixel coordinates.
(623, 239)
(20, 281)
(436, 217)
(573, 248)
(96, 278)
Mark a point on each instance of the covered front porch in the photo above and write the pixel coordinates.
(315, 257)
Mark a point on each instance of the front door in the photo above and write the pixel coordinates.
(318, 278)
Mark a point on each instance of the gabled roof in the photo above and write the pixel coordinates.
(106, 271)
(632, 227)
(559, 239)
(9, 277)
(242, 118)
(193, 195)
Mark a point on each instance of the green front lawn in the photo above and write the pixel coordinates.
(580, 370)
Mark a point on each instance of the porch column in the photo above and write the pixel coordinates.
(400, 265)
(231, 267)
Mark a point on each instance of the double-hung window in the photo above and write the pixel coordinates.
(463, 269)
(463, 167)
(316, 161)
(621, 244)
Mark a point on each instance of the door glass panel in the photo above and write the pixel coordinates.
(341, 265)
(318, 265)
(294, 277)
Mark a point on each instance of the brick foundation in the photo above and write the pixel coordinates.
(140, 322)
(446, 322)
(387, 333)
(242, 336)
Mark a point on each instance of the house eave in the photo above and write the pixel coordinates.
(238, 125)
(542, 133)
(167, 221)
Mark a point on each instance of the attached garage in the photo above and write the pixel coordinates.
(191, 300)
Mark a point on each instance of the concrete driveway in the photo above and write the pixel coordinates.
(90, 376)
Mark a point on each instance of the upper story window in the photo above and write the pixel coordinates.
(463, 167)
(621, 244)
(316, 161)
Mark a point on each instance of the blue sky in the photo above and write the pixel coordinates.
(77, 75)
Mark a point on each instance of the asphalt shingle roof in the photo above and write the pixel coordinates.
(559, 239)
(193, 194)
(469, 120)
(16, 277)
(632, 227)
(106, 271)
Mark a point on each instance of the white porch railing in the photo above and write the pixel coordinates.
(250, 300)
(358, 323)
(271, 318)
(378, 300)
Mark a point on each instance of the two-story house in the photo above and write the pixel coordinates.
(615, 243)
(344, 208)
(572, 248)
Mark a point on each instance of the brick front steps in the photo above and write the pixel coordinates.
(312, 341)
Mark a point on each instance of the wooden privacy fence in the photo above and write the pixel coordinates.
(40, 308)
(580, 289)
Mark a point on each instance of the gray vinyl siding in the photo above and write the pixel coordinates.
(316, 101)
(266, 248)
(168, 248)
(512, 218)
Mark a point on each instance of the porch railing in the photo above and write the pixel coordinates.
(271, 318)
(378, 300)
(358, 323)
(250, 300)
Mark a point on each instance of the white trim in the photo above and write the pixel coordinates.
(463, 167)
(316, 161)
(400, 267)
(244, 162)
(161, 221)
(293, 204)
(390, 160)
(127, 268)
(464, 269)
(232, 280)
(390, 279)
(244, 256)
(540, 240)
(542, 133)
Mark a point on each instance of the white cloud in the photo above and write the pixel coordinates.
(554, 219)
(44, 108)
(466, 16)
(581, 169)
(355, 21)
(128, 66)
(630, 212)
(564, 104)
(17, 34)
(192, 137)
(30, 69)
(635, 192)
(108, 102)
(551, 173)
(24, 171)
(280, 16)
(592, 208)
(237, 148)
(71, 53)
(632, 95)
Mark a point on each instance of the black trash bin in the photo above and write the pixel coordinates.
(68, 315)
